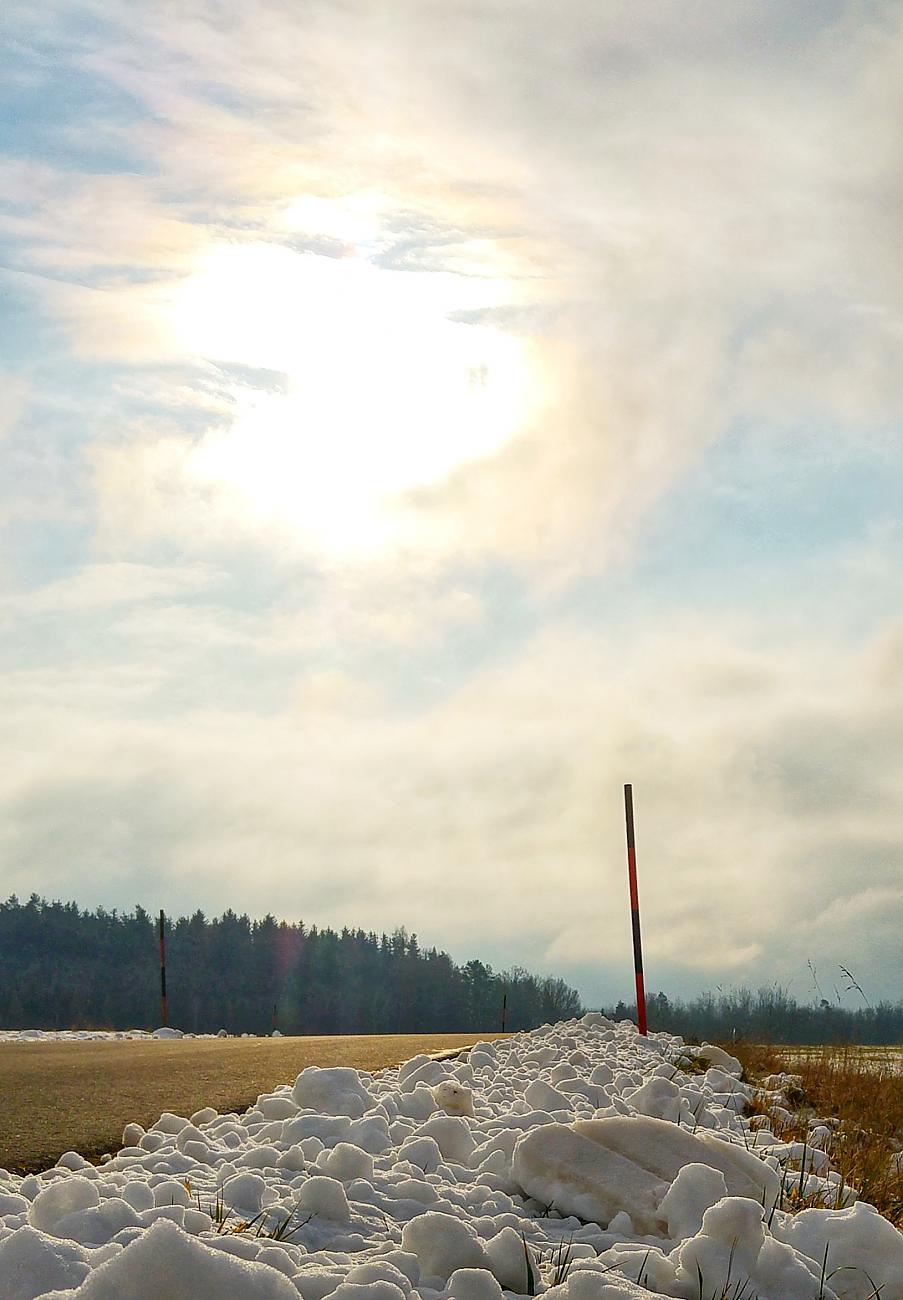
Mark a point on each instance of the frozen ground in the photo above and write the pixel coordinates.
(579, 1161)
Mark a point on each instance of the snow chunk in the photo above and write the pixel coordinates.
(732, 1251)
(859, 1238)
(346, 1162)
(659, 1098)
(325, 1197)
(381, 1289)
(472, 1284)
(574, 1175)
(32, 1263)
(541, 1096)
(717, 1056)
(59, 1200)
(335, 1091)
(694, 1189)
(509, 1263)
(166, 1262)
(664, 1149)
(451, 1135)
(442, 1245)
(454, 1098)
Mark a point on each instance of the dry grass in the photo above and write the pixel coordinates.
(79, 1096)
(862, 1089)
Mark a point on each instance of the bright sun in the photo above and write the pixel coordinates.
(384, 390)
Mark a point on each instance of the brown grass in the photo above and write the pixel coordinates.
(79, 1096)
(861, 1088)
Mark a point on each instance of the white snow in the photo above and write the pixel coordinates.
(456, 1180)
(100, 1035)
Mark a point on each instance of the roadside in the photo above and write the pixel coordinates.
(858, 1092)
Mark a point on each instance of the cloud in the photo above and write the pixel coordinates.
(13, 396)
(765, 792)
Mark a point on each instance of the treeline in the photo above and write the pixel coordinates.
(769, 1015)
(64, 968)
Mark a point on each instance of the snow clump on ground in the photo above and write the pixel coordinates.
(580, 1161)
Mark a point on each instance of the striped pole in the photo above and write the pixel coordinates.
(635, 912)
(163, 1016)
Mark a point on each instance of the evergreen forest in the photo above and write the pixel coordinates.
(65, 968)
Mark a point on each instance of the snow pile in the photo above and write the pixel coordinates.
(578, 1161)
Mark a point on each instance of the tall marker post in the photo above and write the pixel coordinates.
(163, 1016)
(635, 912)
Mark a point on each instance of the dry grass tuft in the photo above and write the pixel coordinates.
(861, 1090)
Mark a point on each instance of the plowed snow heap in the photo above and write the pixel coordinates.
(579, 1161)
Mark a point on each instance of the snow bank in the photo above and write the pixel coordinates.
(578, 1161)
(101, 1035)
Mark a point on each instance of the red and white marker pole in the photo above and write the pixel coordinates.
(163, 1019)
(635, 912)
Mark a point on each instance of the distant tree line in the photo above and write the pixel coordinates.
(769, 1015)
(63, 968)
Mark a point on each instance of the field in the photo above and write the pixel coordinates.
(861, 1089)
(78, 1096)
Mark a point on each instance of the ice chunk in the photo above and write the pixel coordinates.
(442, 1244)
(335, 1091)
(562, 1169)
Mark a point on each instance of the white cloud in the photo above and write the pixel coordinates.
(765, 794)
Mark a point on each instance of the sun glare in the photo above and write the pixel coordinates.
(384, 389)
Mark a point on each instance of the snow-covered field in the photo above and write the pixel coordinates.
(578, 1161)
(96, 1035)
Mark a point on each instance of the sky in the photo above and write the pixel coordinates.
(418, 420)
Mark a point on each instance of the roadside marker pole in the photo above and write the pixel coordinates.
(163, 1017)
(504, 1010)
(635, 912)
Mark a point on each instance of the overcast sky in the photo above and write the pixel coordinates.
(418, 419)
